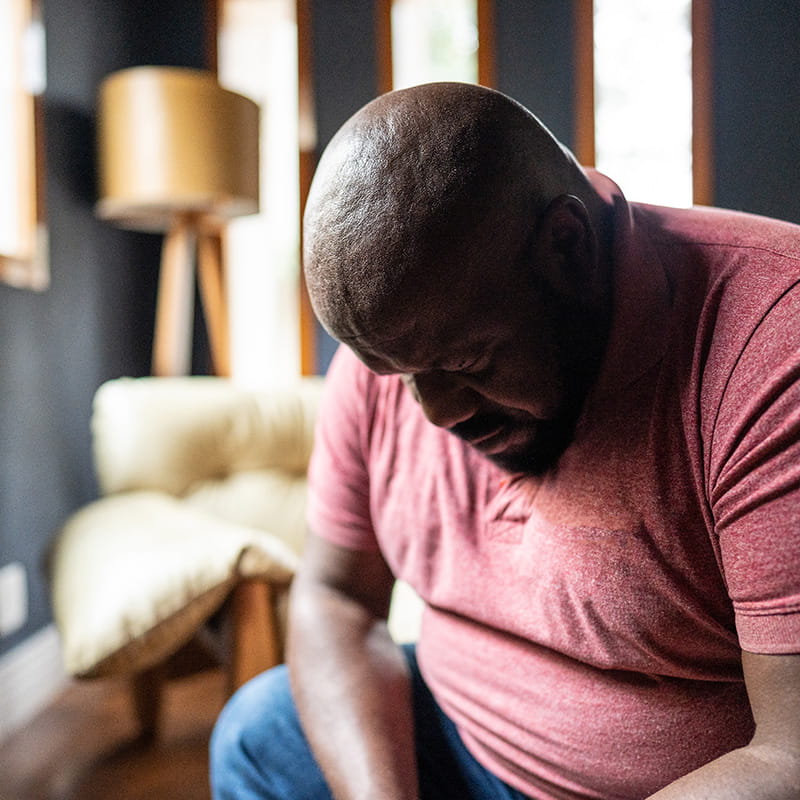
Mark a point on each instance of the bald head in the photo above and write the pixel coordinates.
(416, 182)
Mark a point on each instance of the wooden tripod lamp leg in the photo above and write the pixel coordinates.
(211, 277)
(174, 310)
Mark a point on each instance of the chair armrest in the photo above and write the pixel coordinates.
(170, 433)
(134, 575)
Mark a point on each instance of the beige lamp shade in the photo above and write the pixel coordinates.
(172, 142)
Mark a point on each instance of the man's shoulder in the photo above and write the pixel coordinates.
(728, 267)
(729, 235)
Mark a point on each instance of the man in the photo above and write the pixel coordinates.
(573, 425)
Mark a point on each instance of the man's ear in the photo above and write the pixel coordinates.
(566, 246)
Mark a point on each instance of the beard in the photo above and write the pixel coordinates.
(548, 441)
(534, 446)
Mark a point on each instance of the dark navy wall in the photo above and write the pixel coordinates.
(756, 109)
(95, 321)
(343, 41)
(535, 44)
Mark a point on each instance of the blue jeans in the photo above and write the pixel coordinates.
(258, 751)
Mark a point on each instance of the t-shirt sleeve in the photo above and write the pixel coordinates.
(755, 486)
(339, 497)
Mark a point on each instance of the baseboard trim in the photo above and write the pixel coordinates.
(30, 676)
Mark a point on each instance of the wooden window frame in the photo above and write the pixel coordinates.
(307, 155)
(702, 96)
(702, 104)
(26, 266)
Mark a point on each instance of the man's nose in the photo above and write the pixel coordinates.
(444, 398)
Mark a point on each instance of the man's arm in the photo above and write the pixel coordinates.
(769, 767)
(349, 679)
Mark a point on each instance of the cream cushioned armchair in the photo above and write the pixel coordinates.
(201, 519)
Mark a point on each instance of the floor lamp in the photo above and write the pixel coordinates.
(179, 154)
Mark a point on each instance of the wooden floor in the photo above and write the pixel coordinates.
(84, 746)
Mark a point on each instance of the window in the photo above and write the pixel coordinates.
(258, 58)
(643, 98)
(23, 248)
(434, 40)
(642, 67)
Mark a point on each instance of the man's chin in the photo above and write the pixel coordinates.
(538, 455)
(522, 463)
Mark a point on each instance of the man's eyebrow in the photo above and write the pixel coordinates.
(368, 335)
(355, 337)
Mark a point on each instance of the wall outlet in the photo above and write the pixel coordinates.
(13, 598)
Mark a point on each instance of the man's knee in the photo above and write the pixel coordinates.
(257, 748)
(244, 733)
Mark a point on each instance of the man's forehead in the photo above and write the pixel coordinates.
(409, 348)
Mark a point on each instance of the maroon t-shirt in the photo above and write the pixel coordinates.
(584, 628)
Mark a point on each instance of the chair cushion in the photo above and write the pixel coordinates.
(135, 574)
(170, 434)
(265, 499)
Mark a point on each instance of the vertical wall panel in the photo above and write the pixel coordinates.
(756, 114)
(345, 67)
(346, 73)
(535, 55)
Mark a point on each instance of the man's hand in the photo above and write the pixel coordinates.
(769, 767)
(349, 679)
